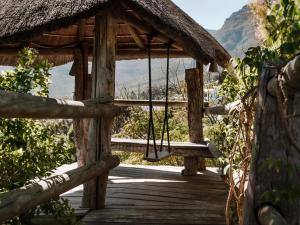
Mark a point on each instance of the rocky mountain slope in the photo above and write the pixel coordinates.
(238, 32)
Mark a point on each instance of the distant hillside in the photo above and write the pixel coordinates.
(237, 33)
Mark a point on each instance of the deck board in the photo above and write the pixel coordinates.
(158, 195)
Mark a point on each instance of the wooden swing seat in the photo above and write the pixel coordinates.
(204, 149)
(161, 155)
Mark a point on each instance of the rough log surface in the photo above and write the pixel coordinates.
(273, 143)
(82, 92)
(21, 200)
(103, 84)
(267, 215)
(195, 88)
(290, 79)
(16, 105)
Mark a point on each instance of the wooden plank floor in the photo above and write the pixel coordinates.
(158, 195)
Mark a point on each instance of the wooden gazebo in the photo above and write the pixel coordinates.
(103, 31)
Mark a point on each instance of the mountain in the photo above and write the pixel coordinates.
(238, 32)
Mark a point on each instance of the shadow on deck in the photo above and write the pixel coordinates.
(157, 195)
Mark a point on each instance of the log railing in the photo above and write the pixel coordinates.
(268, 215)
(21, 200)
(156, 103)
(16, 105)
(213, 110)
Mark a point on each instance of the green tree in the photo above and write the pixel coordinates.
(31, 149)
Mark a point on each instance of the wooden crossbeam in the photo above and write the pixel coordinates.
(136, 37)
(138, 24)
(156, 103)
(122, 54)
(16, 105)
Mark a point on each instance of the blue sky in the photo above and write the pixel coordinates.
(211, 14)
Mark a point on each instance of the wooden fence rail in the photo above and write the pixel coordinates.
(214, 110)
(19, 201)
(156, 103)
(16, 105)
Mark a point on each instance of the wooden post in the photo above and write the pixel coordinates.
(194, 81)
(201, 163)
(82, 92)
(103, 84)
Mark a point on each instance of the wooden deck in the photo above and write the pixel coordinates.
(157, 195)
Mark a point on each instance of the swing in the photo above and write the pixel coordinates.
(158, 153)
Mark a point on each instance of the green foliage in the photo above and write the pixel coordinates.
(136, 126)
(31, 149)
(283, 26)
(283, 42)
(291, 193)
(29, 76)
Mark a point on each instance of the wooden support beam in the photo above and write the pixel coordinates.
(122, 54)
(136, 37)
(138, 24)
(194, 81)
(16, 105)
(200, 67)
(82, 92)
(142, 54)
(103, 84)
(19, 201)
(81, 30)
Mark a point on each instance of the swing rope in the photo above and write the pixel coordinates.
(151, 121)
(166, 116)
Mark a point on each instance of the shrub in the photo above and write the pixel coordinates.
(31, 149)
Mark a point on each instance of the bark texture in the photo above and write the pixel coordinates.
(277, 141)
(103, 84)
(194, 81)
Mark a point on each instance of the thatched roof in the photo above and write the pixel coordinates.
(63, 24)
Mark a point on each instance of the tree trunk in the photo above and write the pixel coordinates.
(103, 84)
(275, 157)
